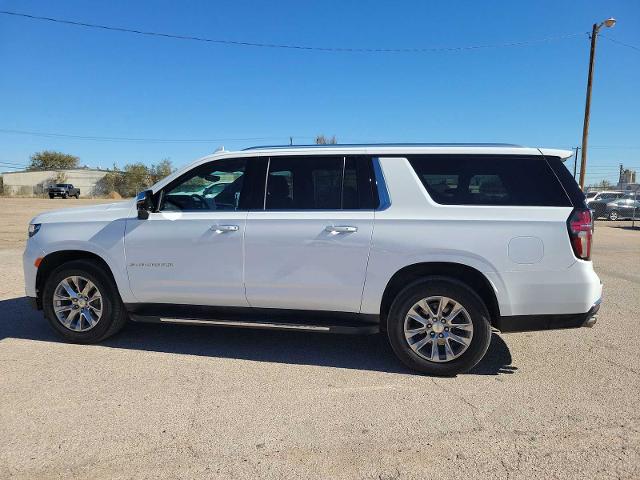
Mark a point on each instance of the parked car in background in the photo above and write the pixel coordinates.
(433, 245)
(64, 190)
(623, 208)
(598, 204)
(590, 195)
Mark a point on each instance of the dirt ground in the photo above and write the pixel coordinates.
(189, 402)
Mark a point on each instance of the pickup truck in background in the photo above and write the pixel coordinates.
(64, 190)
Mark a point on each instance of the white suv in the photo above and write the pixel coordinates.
(432, 244)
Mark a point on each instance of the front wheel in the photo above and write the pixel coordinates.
(81, 302)
(439, 326)
(613, 215)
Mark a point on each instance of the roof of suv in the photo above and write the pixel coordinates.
(410, 148)
(388, 149)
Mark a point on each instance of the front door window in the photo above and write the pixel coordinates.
(214, 186)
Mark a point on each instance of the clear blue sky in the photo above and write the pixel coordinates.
(72, 80)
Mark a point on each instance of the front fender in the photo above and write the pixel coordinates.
(103, 239)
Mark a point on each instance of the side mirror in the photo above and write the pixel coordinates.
(144, 204)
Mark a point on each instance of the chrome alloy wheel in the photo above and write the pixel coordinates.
(77, 303)
(438, 329)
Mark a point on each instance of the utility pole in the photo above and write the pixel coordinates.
(621, 173)
(610, 22)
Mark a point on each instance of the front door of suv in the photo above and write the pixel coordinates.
(190, 250)
(308, 248)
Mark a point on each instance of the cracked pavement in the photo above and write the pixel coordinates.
(188, 402)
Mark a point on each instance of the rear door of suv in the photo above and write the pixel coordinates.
(308, 247)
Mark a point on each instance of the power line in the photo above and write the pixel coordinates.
(211, 140)
(291, 46)
(613, 147)
(620, 43)
(140, 140)
(12, 163)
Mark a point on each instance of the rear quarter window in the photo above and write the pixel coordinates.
(490, 180)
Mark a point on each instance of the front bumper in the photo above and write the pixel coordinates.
(31, 253)
(529, 323)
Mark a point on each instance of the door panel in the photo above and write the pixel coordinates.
(293, 261)
(190, 251)
(187, 257)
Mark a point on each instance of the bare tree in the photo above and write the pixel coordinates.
(322, 140)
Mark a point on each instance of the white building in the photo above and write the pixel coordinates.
(35, 183)
(627, 181)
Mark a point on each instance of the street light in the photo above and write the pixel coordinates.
(609, 22)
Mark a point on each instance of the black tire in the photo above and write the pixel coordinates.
(613, 215)
(447, 287)
(114, 315)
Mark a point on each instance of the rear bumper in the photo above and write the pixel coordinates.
(528, 323)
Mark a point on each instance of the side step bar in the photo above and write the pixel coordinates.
(320, 327)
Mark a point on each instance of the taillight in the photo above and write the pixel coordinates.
(580, 225)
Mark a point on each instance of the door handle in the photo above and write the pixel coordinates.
(340, 229)
(225, 228)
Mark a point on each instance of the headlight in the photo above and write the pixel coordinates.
(33, 229)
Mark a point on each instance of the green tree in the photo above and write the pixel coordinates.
(111, 182)
(322, 140)
(161, 170)
(135, 178)
(50, 160)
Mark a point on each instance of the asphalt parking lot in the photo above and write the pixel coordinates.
(185, 402)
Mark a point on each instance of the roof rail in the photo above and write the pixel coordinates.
(342, 145)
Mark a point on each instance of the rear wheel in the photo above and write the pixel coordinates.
(81, 302)
(613, 215)
(439, 326)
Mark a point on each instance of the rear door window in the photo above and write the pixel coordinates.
(489, 180)
(319, 183)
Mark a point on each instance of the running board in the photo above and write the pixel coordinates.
(319, 327)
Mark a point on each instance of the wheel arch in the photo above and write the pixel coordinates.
(470, 276)
(53, 260)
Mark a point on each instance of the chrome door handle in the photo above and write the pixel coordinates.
(340, 229)
(225, 228)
